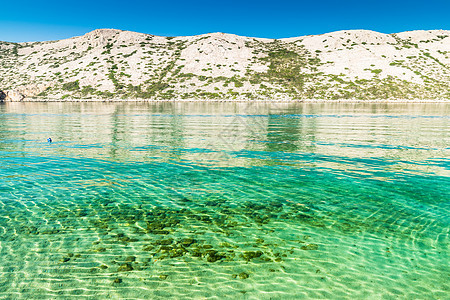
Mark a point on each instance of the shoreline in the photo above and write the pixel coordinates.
(35, 100)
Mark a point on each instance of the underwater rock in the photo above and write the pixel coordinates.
(117, 280)
(255, 206)
(310, 247)
(196, 253)
(123, 238)
(303, 217)
(156, 228)
(100, 249)
(164, 242)
(130, 259)
(187, 242)
(50, 231)
(262, 219)
(148, 248)
(249, 255)
(212, 203)
(177, 252)
(206, 219)
(214, 255)
(125, 268)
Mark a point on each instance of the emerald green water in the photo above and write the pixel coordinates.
(224, 201)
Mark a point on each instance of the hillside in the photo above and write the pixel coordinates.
(115, 64)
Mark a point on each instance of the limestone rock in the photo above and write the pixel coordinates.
(14, 96)
(32, 90)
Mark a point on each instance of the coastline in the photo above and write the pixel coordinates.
(235, 100)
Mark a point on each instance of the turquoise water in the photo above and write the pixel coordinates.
(224, 201)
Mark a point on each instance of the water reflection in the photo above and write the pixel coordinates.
(244, 132)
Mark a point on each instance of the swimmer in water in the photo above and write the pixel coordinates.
(49, 140)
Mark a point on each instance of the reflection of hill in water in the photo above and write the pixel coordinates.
(332, 135)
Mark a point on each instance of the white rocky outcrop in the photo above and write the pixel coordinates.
(11, 96)
(110, 60)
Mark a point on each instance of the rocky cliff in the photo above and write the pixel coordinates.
(115, 64)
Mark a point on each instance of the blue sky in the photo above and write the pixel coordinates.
(27, 20)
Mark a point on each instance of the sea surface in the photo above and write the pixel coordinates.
(224, 201)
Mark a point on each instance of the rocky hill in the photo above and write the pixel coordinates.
(115, 64)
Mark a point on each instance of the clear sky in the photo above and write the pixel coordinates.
(31, 20)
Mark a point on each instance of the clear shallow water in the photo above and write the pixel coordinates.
(231, 200)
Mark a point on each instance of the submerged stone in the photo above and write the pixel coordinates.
(177, 253)
(164, 242)
(196, 253)
(100, 249)
(125, 268)
(117, 280)
(148, 248)
(248, 255)
(130, 259)
(213, 256)
(310, 247)
(187, 242)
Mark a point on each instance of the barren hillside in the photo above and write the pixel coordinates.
(115, 64)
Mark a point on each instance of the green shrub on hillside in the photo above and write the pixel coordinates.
(71, 86)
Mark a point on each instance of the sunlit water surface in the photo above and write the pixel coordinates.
(224, 200)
